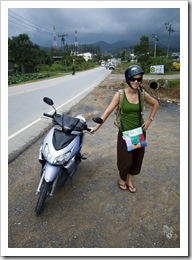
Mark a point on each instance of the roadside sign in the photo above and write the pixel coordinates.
(157, 69)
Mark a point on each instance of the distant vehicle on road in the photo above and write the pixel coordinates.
(110, 66)
(103, 64)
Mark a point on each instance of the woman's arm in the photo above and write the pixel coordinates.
(108, 111)
(155, 105)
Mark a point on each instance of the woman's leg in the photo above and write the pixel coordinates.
(124, 158)
(128, 163)
(138, 155)
(122, 184)
(130, 186)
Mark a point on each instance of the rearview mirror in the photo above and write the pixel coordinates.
(48, 101)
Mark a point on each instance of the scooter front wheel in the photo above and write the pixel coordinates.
(44, 192)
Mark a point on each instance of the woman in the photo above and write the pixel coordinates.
(129, 163)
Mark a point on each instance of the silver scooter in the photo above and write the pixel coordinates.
(60, 152)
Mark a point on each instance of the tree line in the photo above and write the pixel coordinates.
(144, 54)
(29, 57)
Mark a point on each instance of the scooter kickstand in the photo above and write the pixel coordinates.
(71, 180)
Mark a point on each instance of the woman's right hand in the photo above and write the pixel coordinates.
(92, 130)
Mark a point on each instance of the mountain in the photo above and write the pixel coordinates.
(115, 47)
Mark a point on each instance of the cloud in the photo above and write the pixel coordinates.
(92, 24)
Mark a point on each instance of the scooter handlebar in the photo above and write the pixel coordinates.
(47, 115)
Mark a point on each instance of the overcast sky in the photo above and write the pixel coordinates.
(95, 24)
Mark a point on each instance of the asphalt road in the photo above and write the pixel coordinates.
(26, 106)
(92, 212)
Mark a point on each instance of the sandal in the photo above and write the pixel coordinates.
(122, 186)
(131, 189)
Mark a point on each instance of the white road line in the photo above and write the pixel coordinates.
(30, 90)
(23, 129)
(37, 120)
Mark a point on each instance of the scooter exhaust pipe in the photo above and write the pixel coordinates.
(154, 85)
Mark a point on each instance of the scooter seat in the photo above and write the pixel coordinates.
(61, 139)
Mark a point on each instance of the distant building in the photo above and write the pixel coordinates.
(133, 58)
(175, 56)
(87, 56)
(116, 60)
(103, 63)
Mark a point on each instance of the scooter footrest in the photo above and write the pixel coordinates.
(83, 157)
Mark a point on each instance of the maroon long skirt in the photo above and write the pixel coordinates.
(128, 162)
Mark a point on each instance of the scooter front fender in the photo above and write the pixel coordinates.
(51, 171)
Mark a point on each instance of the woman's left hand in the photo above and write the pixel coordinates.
(146, 125)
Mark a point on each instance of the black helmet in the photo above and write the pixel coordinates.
(132, 71)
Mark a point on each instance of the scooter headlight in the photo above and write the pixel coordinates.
(62, 158)
(46, 153)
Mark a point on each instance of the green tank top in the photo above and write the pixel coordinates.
(130, 116)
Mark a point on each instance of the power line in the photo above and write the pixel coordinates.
(62, 38)
(156, 39)
(70, 39)
(168, 26)
(173, 20)
(170, 30)
(26, 23)
(25, 26)
(30, 25)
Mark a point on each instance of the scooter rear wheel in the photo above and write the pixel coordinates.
(45, 188)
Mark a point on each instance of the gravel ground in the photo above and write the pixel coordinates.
(92, 212)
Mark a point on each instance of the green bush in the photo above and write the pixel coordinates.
(18, 78)
(174, 82)
(57, 68)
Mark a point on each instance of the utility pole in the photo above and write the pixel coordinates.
(54, 38)
(170, 30)
(76, 43)
(156, 39)
(62, 39)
